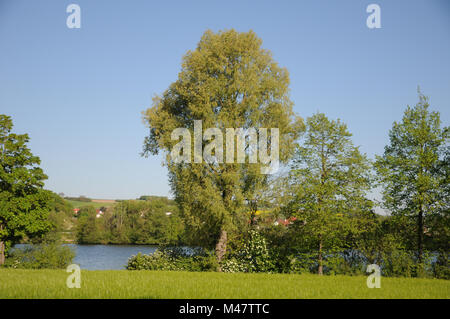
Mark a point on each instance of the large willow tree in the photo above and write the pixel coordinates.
(228, 81)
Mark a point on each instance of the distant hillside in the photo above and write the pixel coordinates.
(95, 203)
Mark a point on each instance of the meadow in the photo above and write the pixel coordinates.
(42, 284)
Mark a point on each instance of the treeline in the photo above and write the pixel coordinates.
(318, 218)
(79, 199)
(322, 204)
(154, 221)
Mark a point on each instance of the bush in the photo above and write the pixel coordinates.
(303, 263)
(42, 256)
(177, 259)
(441, 268)
(347, 262)
(253, 256)
(159, 260)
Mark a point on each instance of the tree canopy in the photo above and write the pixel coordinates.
(24, 205)
(330, 179)
(414, 168)
(228, 81)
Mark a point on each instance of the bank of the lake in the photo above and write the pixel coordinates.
(17, 283)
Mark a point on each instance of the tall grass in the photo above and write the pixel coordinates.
(18, 283)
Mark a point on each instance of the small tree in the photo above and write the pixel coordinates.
(413, 170)
(330, 178)
(24, 205)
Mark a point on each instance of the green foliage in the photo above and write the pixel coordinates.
(24, 205)
(161, 199)
(42, 256)
(60, 205)
(173, 259)
(61, 218)
(441, 268)
(329, 181)
(414, 170)
(381, 243)
(132, 222)
(79, 199)
(89, 228)
(252, 256)
(228, 81)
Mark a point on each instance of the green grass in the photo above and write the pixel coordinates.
(15, 283)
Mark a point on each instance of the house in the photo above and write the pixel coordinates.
(75, 211)
(285, 222)
(99, 213)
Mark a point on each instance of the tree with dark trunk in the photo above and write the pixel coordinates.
(411, 167)
(329, 180)
(221, 247)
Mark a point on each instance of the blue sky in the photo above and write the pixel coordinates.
(79, 93)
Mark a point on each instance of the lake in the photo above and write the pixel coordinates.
(105, 257)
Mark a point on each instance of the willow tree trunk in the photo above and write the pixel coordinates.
(420, 236)
(2, 249)
(320, 257)
(2, 253)
(221, 247)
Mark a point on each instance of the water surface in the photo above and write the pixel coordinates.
(104, 257)
(107, 257)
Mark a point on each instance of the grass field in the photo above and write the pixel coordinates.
(15, 283)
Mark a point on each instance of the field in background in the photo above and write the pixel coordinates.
(17, 283)
(97, 203)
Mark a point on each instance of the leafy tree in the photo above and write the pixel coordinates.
(228, 81)
(330, 178)
(60, 205)
(131, 222)
(413, 169)
(24, 205)
(88, 227)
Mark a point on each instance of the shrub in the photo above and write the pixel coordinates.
(441, 268)
(159, 260)
(347, 262)
(42, 256)
(253, 256)
(177, 259)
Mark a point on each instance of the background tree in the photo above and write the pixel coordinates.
(412, 168)
(330, 178)
(24, 205)
(228, 81)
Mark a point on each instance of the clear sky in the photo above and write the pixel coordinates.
(79, 93)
